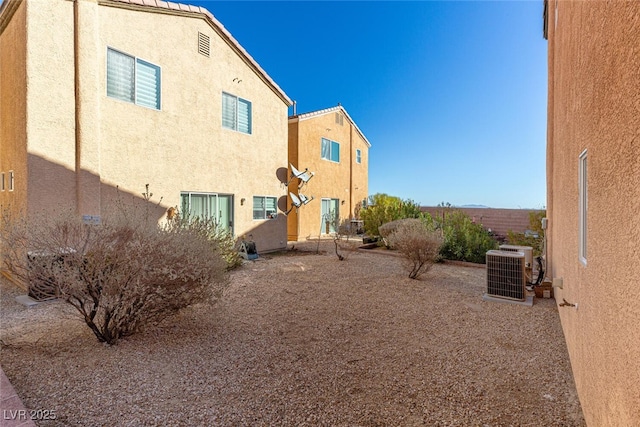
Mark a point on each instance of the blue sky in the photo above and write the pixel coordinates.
(451, 94)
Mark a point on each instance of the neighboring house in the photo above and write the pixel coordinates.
(106, 94)
(329, 144)
(593, 199)
(498, 221)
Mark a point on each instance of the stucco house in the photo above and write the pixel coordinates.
(593, 199)
(103, 94)
(329, 144)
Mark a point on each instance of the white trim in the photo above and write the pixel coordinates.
(583, 206)
(312, 114)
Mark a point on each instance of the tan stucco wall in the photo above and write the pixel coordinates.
(13, 106)
(182, 147)
(594, 104)
(346, 180)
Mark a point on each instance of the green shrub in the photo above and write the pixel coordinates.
(536, 239)
(384, 209)
(464, 240)
(418, 244)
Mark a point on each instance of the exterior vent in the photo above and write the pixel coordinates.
(339, 119)
(526, 250)
(506, 275)
(204, 44)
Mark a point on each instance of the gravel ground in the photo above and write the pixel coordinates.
(303, 339)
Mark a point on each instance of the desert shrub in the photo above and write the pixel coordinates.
(419, 245)
(464, 240)
(120, 274)
(225, 244)
(534, 239)
(384, 209)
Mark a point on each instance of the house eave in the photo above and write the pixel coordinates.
(185, 10)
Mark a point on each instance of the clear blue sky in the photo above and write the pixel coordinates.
(451, 94)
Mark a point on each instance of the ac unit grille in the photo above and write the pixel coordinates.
(506, 275)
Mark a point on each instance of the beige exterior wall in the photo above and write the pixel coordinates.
(181, 147)
(346, 180)
(594, 105)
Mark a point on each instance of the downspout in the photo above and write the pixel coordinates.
(350, 173)
(77, 106)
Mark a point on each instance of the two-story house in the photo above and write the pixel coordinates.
(99, 95)
(593, 199)
(329, 144)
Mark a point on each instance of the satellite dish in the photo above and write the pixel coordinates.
(296, 200)
(303, 176)
(304, 198)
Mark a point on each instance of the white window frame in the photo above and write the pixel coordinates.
(137, 97)
(331, 145)
(235, 125)
(358, 156)
(583, 199)
(209, 215)
(265, 214)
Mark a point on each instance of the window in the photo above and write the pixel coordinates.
(11, 181)
(330, 150)
(358, 155)
(133, 80)
(2, 181)
(217, 207)
(582, 202)
(236, 113)
(264, 207)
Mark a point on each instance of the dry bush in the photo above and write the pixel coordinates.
(389, 228)
(120, 274)
(418, 244)
(344, 239)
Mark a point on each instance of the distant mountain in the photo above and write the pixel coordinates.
(474, 206)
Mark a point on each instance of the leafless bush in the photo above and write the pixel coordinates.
(389, 228)
(344, 239)
(418, 244)
(120, 274)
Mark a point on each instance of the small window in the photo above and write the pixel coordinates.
(583, 206)
(204, 44)
(330, 150)
(11, 182)
(358, 155)
(236, 113)
(2, 181)
(264, 207)
(133, 80)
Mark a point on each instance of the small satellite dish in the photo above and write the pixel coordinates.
(304, 199)
(296, 200)
(302, 176)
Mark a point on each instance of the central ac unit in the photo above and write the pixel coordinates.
(526, 250)
(506, 275)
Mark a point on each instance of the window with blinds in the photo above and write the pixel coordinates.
(330, 150)
(236, 113)
(132, 79)
(264, 207)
